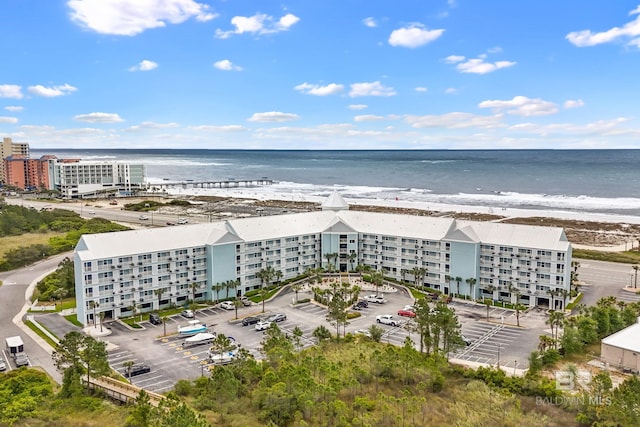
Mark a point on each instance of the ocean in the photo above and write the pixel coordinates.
(589, 181)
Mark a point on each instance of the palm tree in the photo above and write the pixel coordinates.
(101, 316)
(635, 280)
(448, 280)
(265, 275)
(194, 287)
(458, 279)
(164, 319)
(128, 365)
(555, 319)
(491, 289)
(217, 288)
(159, 293)
(471, 281)
(296, 287)
(377, 278)
(277, 275)
(93, 305)
(329, 257)
(403, 274)
(418, 275)
(351, 258)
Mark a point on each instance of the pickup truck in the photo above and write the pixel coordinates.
(378, 299)
(387, 319)
(21, 359)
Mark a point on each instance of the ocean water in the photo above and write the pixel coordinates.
(590, 181)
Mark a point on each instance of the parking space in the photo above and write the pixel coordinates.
(489, 342)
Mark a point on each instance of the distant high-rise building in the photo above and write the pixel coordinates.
(75, 178)
(10, 148)
(26, 173)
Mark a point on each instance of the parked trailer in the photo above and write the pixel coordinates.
(14, 345)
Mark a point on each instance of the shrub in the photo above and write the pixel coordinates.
(353, 314)
(304, 300)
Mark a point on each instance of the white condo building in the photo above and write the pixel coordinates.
(79, 178)
(115, 271)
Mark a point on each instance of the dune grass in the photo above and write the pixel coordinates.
(13, 242)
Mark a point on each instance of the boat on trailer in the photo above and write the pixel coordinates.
(194, 327)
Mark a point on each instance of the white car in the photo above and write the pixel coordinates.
(3, 366)
(143, 217)
(387, 319)
(262, 325)
(182, 221)
(227, 305)
(378, 299)
(92, 212)
(188, 314)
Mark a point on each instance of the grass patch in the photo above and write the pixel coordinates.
(67, 304)
(72, 318)
(9, 243)
(571, 305)
(627, 257)
(41, 334)
(133, 322)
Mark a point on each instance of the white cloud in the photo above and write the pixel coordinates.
(421, 89)
(98, 118)
(588, 38)
(476, 65)
(357, 107)
(455, 120)
(13, 108)
(226, 128)
(413, 36)
(311, 89)
(4, 119)
(153, 125)
(258, 24)
(273, 117)
(226, 65)
(53, 91)
(452, 59)
(495, 49)
(128, 18)
(375, 117)
(371, 89)
(144, 65)
(450, 90)
(522, 106)
(370, 22)
(573, 103)
(11, 91)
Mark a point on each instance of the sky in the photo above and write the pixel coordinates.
(348, 74)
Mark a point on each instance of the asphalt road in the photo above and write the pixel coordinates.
(12, 301)
(601, 279)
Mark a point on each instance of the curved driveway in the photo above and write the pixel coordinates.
(14, 305)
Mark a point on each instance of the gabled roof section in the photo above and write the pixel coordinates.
(525, 236)
(133, 242)
(334, 202)
(339, 225)
(462, 234)
(411, 226)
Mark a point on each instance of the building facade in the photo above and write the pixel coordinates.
(26, 173)
(75, 178)
(10, 148)
(156, 268)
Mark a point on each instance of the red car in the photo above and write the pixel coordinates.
(406, 313)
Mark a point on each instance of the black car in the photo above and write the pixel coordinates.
(139, 370)
(155, 319)
(361, 304)
(250, 320)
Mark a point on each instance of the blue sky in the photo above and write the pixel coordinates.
(350, 74)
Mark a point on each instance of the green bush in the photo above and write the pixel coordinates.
(304, 300)
(353, 314)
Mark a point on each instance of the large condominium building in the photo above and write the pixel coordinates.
(10, 148)
(75, 178)
(25, 173)
(155, 268)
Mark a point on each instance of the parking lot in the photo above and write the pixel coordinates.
(170, 360)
